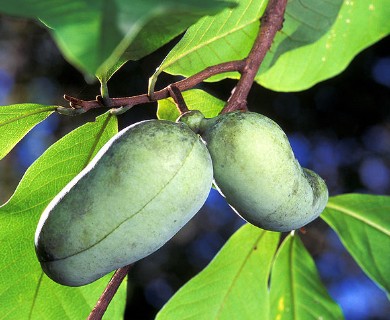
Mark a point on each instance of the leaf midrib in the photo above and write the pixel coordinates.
(28, 114)
(356, 216)
(236, 276)
(204, 44)
(292, 277)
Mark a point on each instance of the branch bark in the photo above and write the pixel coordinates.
(271, 23)
(182, 85)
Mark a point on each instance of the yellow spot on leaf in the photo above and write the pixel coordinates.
(281, 304)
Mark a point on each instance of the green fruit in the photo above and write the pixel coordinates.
(142, 187)
(255, 169)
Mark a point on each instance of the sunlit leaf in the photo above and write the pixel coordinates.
(227, 36)
(17, 120)
(99, 36)
(363, 224)
(206, 43)
(296, 289)
(318, 41)
(359, 24)
(196, 100)
(233, 285)
(25, 292)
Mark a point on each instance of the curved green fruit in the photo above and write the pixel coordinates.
(140, 189)
(256, 171)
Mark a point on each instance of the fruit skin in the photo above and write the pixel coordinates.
(142, 187)
(256, 171)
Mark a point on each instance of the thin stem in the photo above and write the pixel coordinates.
(271, 23)
(182, 85)
(104, 90)
(107, 295)
(178, 98)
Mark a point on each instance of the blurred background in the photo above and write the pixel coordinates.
(340, 128)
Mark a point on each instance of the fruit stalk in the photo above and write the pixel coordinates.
(178, 98)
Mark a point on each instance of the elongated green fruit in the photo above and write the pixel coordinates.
(255, 169)
(140, 189)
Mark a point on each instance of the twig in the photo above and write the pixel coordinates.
(107, 295)
(178, 98)
(271, 22)
(182, 85)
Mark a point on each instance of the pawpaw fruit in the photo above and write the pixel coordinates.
(256, 171)
(140, 189)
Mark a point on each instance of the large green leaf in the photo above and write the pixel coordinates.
(296, 289)
(99, 36)
(359, 24)
(196, 100)
(363, 225)
(226, 36)
(233, 285)
(25, 292)
(17, 120)
(318, 40)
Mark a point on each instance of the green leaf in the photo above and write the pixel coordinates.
(196, 100)
(359, 24)
(161, 25)
(363, 224)
(17, 120)
(233, 285)
(227, 36)
(99, 36)
(25, 292)
(318, 41)
(296, 289)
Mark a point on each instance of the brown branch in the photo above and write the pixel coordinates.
(182, 85)
(107, 295)
(271, 23)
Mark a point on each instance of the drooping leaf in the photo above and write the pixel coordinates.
(25, 292)
(363, 224)
(359, 24)
(296, 289)
(196, 100)
(227, 36)
(161, 26)
(233, 285)
(99, 36)
(17, 120)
